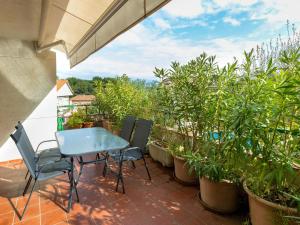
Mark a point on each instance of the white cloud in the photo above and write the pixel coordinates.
(139, 50)
(184, 9)
(278, 11)
(161, 23)
(232, 6)
(227, 3)
(231, 21)
(191, 23)
(137, 53)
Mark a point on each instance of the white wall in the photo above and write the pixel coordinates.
(63, 101)
(40, 125)
(27, 94)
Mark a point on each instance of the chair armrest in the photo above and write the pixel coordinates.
(130, 148)
(43, 143)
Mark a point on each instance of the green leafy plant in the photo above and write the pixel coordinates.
(122, 97)
(185, 89)
(75, 120)
(217, 159)
(265, 125)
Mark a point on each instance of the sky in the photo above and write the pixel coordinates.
(182, 30)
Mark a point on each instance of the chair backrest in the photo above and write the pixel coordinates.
(141, 133)
(127, 127)
(25, 148)
(21, 127)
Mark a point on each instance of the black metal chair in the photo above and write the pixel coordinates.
(135, 151)
(127, 127)
(125, 133)
(43, 155)
(39, 169)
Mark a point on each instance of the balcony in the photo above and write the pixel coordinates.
(160, 201)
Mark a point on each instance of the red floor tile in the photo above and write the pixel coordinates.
(30, 221)
(53, 217)
(31, 211)
(159, 201)
(7, 218)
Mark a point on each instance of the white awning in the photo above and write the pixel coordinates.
(82, 26)
(121, 16)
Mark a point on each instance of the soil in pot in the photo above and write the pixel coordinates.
(263, 212)
(222, 197)
(161, 154)
(182, 173)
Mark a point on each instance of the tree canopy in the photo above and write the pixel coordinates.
(87, 87)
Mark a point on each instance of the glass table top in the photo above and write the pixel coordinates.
(88, 140)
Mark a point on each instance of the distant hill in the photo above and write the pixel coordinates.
(86, 87)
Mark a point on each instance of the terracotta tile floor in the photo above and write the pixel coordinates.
(160, 201)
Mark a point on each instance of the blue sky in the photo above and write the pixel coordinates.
(182, 30)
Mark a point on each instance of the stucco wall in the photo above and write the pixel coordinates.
(27, 94)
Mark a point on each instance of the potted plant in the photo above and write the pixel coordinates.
(219, 181)
(216, 162)
(266, 118)
(88, 122)
(161, 133)
(183, 173)
(119, 98)
(75, 121)
(184, 89)
(158, 147)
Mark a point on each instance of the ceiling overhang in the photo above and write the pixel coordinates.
(77, 27)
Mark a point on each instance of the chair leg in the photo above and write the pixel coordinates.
(28, 199)
(122, 181)
(76, 192)
(26, 174)
(133, 164)
(146, 167)
(27, 185)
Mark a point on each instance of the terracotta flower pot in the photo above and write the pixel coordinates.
(107, 125)
(182, 173)
(297, 170)
(263, 212)
(77, 126)
(88, 124)
(161, 154)
(98, 123)
(116, 132)
(220, 196)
